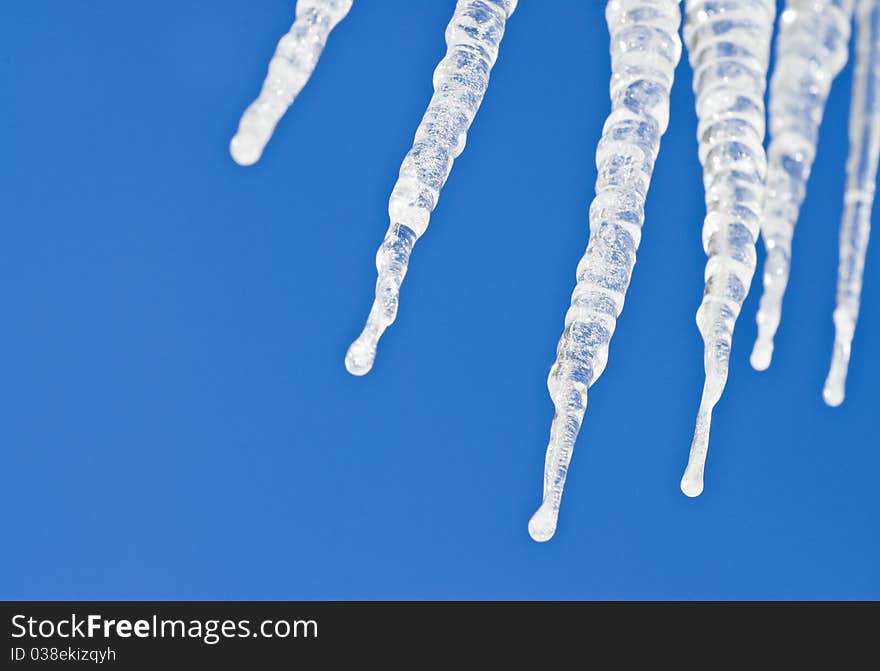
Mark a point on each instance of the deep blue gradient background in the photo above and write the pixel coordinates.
(176, 420)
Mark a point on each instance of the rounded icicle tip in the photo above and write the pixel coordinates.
(692, 483)
(762, 355)
(835, 384)
(542, 526)
(833, 393)
(360, 357)
(244, 150)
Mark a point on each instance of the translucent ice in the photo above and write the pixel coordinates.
(861, 176)
(645, 49)
(295, 58)
(728, 45)
(811, 49)
(460, 81)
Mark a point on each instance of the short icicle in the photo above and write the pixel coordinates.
(473, 37)
(645, 50)
(811, 50)
(294, 61)
(728, 45)
(861, 177)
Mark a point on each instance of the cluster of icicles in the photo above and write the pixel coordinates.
(748, 191)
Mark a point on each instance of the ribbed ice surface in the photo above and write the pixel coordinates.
(728, 46)
(460, 80)
(861, 176)
(811, 49)
(295, 58)
(645, 49)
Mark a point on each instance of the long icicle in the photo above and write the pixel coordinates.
(728, 46)
(473, 37)
(645, 50)
(855, 227)
(294, 61)
(811, 50)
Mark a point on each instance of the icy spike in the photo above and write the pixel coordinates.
(473, 37)
(728, 45)
(645, 50)
(295, 58)
(861, 177)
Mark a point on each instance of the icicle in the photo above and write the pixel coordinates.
(645, 49)
(811, 50)
(728, 46)
(460, 80)
(855, 227)
(289, 70)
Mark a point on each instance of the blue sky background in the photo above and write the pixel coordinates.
(175, 416)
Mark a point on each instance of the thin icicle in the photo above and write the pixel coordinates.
(473, 37)
(295, 58)
(728, 46)
(861, 176)
(645, 49)
(811, 50)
